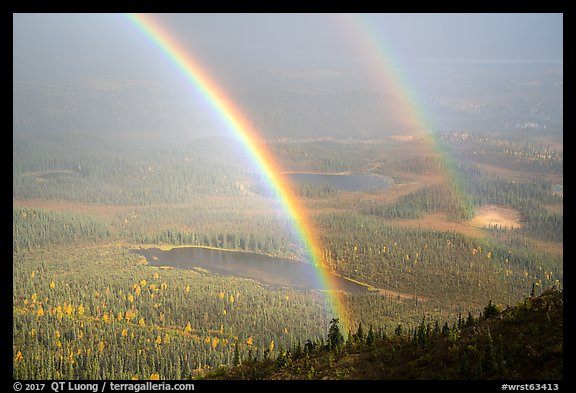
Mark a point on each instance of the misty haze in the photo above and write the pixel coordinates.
(287, 196)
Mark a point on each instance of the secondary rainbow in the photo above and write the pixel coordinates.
(367, 38)
(252, 142)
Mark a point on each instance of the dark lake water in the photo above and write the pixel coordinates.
(272, 271)
(343, 182)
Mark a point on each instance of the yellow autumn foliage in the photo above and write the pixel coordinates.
(129, 315)
(188, 328)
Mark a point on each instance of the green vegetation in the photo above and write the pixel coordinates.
(111, 174)
(522, 152)
(448, 267)
(522, 342)
(86, 307)
(72, 321)
(436, 198)
(33, 228)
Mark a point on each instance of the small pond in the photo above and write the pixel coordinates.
(272, 271)
(352, 183)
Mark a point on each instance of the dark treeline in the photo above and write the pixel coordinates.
(447, 198)
(303, 190)
(489, 345)
(324, 156)
(32, 228)
(260, 243)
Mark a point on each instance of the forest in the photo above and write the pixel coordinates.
(80, 205)
(520, 342)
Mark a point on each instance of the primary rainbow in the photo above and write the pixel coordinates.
(253, 144)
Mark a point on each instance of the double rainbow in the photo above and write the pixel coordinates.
(369, 41)
(252, 142)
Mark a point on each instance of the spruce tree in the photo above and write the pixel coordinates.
(445, 329)
(489, 357)
(360, 338)
(490, 310)
(470, 321)
(370, 337)
(236, 360)
(436, 332)
(420, 333)
(335, 338)
(349, 341)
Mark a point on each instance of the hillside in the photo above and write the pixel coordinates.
(522, 342)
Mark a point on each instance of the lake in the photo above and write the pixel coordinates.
(272, 271)
(353, 183)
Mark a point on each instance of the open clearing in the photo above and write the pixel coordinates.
(485, 216)
(439, 221)
(73, 206)
(494, 215)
